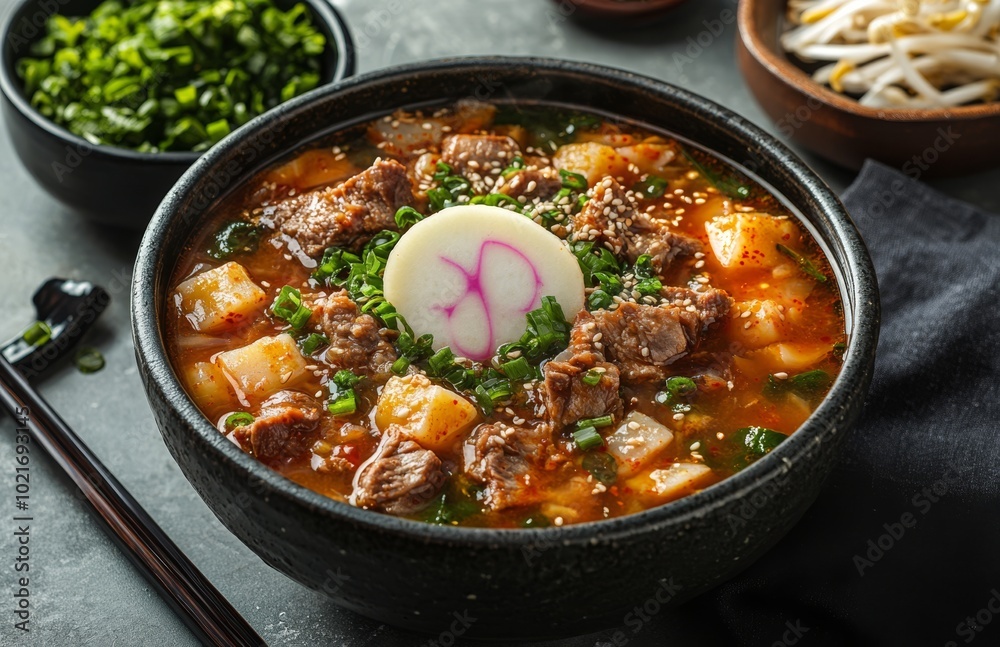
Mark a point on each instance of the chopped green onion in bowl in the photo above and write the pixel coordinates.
(170, 75)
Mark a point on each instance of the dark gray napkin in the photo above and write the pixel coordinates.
(903, 545)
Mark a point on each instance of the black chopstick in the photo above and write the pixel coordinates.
(202, 608)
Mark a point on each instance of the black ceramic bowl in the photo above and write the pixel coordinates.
(106, 184)
(516, 583)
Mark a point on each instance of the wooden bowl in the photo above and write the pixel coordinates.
(921, 143)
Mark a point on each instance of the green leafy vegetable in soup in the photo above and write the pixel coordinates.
(505, 316)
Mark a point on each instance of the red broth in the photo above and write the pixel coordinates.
(736, 310)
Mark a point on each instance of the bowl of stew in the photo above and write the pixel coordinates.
(513, 337)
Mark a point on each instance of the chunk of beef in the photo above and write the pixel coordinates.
(401, 478)
(708, 304)
(569, 399)
(611, 220)
(642, 339)
(662, 244)
(357, 341)
(346, 215)
(504, 459)
(479, 158)
(710, 371)
(538, 184)
(605, 217)
(285, 428)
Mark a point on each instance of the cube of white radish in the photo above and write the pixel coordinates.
(431, 415)
(788, 357)
(745, 241)
(637, 441)
(265, 366)
(219, 298)
(206, 384)
(765, 323)
(649, 157)
(680, 479)
(592, 160)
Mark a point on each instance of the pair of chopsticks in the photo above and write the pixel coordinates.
(202, 608)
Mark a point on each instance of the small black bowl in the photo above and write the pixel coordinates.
(107, 184)
(528, 583)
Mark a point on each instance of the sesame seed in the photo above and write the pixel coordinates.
(678, 416)
(781, 376)
(695, 445)
(558, 521)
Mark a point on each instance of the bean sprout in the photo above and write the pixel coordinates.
(901, 53)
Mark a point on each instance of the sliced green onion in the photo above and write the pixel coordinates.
(587, 438)
(592, 377)
(238, 419)
(406, 217)
(518, 369)
(335, 261)
(345, 403)
(483, 399)
(37, 334)
(573, 181)
(681, 386)
(288, 307)
(400, 366)
(441, 361)
(89, 360)
(217, 130)
(345, 379)
(312, 343)
(603, 421)
(186, 96)
(498, 200)
(516, 165)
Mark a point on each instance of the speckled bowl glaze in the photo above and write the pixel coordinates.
(106, 184)
(516, 584)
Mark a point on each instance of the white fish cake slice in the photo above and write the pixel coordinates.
(469, 274)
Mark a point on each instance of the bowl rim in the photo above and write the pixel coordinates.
(322, 11)
(779, 66)
(859, 285)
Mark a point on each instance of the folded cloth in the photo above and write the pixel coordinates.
(903, 545)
